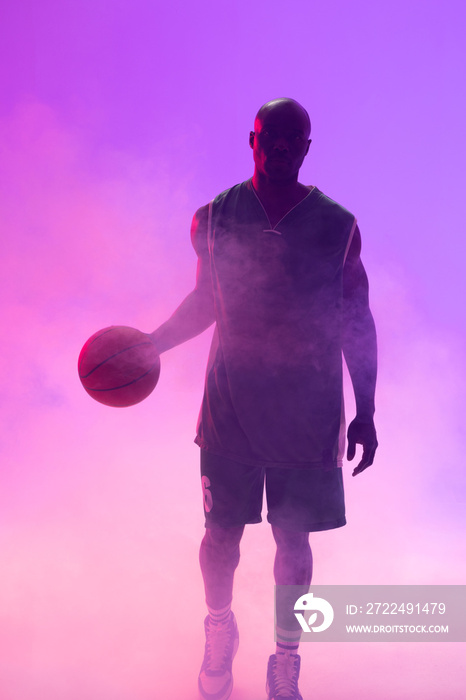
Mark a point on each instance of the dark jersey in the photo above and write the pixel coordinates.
(273, 391)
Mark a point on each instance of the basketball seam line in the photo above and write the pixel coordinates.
(138, 345)
(122, 386)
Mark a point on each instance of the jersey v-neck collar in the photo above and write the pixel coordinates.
(273, 229)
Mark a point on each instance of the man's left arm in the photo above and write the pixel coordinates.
(360, 351)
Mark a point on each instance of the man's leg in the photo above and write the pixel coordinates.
(293, 567)
(232, 497)
(293, 560)
(219, 557)
(299, 501)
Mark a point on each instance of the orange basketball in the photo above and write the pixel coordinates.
(119, 366)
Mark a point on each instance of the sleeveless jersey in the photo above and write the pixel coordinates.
(273, 391)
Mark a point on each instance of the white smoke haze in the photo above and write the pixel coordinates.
(101, 594)
(101, 507)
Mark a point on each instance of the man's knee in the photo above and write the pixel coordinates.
(226, 538)
(293, 561)
(220, 548)
(290, 539)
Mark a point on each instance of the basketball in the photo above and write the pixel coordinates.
(119, 366)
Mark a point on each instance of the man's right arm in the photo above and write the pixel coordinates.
(196, 313)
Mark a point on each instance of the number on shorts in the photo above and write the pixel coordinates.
(208, 501)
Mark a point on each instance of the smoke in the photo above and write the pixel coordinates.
(117, 124)
(85, 565)
(102, 507)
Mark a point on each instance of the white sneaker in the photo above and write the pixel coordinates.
(215, 677)
(282, 677)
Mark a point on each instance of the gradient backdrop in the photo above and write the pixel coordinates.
(118, 119)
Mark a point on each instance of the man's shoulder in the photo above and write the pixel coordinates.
(233, 192)
(231, 197)
(202, 214)
(330, 204)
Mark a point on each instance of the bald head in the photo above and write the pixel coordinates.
(280, 141)
(283, 106)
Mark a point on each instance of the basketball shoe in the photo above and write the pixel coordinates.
(215, 677)
(282, 677)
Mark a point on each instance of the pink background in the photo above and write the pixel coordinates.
(118, 119)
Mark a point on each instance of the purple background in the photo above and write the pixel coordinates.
(118, 120)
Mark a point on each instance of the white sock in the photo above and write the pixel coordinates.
(219, 616)
(287, 641)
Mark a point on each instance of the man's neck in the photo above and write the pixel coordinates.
(277, 190)
(279, 198)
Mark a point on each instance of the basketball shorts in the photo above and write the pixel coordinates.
(305, 500)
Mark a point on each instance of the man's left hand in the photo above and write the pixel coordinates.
(362, 432)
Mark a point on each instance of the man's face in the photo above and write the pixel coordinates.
(280, 142)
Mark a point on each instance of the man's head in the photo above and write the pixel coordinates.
(280, 140)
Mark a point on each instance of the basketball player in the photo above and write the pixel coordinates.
(279, 273)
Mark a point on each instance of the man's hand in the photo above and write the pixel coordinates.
(362, 432)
